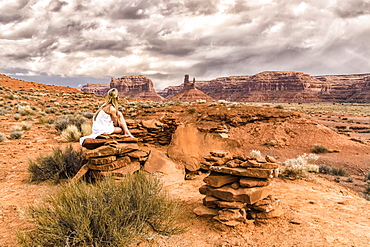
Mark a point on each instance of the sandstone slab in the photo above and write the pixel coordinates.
(218, 179)
(102, 160)
(225, 204)
(244, 172)
(246, 195)
(159, 163)
(210, 201)
(253, 182)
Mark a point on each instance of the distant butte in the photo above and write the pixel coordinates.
(189, 93)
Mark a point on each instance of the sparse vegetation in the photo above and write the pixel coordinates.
(336, 171)
(367, 177)
(298, 168)
(319, 149)
(108, 213)
(256, 153)
(61, 164)
(2, 137)
(16, 134)
(86, 129)
(62, 122)
(192, 110)
(71, 133)
(17, 116)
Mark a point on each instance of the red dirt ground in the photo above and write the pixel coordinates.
(318, 211)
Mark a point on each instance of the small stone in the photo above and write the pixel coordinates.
(270, 159)
(205, 211)
(210, 201)
(235, 185)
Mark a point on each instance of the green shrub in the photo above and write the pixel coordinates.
(298, 168)
(336, 171)
(49, 110)
(108, 213)
(191, 111)
(61, 164)
(319, 149)
(16, 134)
(71, 133)
(279, 107)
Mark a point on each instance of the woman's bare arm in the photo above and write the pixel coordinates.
(113, 114)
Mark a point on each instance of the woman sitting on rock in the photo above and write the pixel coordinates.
(108, 120)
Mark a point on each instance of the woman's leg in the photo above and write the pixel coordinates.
(123, 125)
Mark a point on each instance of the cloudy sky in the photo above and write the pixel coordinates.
(74, 42)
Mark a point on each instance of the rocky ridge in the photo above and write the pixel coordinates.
(136, 87)
(278, 86)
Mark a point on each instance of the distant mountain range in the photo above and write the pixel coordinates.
(269, 86)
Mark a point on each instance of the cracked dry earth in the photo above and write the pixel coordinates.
(318, 212)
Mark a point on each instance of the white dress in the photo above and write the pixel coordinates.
(102, 124)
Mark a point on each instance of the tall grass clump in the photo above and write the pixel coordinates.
(61, 164)
(298, 168)
(62, 122)
(86, 128)
(71, 133)
(107, 213)
(319, 149)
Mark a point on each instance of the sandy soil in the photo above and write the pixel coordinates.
(318, 212)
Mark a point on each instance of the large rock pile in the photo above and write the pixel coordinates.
(114, 156)
(237, 189)
(153, 131)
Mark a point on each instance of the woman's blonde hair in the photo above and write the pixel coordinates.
(112, 99)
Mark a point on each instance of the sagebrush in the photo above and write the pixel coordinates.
(107, 213)
(61, 164)
(298, 168)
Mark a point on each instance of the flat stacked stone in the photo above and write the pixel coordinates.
(111, 155)
(237, 188)
(155, 132)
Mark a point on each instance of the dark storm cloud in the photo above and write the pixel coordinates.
(164, 39)
(12, 11)
(56, 5)
(173, 47)
(204, 7)
(353, 9)
(128, 10)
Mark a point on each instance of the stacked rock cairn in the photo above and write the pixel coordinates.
(111, 155)
(237, 189)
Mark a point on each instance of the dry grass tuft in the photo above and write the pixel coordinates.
(107, 213)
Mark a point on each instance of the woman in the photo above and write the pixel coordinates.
(108, 119)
